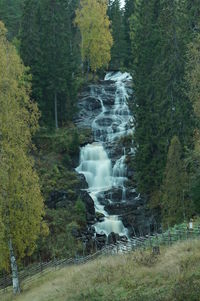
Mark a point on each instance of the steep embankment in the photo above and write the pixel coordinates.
(173, 276)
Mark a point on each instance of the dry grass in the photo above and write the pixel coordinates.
(173, 276)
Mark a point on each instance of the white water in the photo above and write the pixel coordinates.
(111, 124)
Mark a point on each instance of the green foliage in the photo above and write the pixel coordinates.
(192, 163)
(10, 14)
(117, 26)
(80, 212)
(187, 288)
(57, 152)
(129, 9)
(174, 203)
(61, 242)
(21, 202)
(49, 45)
(162, 109)
(93, 22)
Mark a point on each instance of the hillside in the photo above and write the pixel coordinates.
(173, 276)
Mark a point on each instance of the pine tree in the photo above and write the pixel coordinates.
(93, 22)
(21, 203)
(174, 206)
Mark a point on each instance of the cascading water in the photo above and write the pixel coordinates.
(111, 123)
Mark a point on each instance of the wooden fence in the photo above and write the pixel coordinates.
(144, 242)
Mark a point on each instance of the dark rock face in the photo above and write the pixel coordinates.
(58, 199)
(89, 106)
(133, 210)
(89, 204)
(61, 199)
(113, 238)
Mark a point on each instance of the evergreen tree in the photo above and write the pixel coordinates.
(175, 208)
(192, 12)
(10, 14)
(192, 162)
(93, 22)
(129, 10)
(148, 136)
(193, 74)
(49, 47)
(192, 79)
(21, 203)
(162, 110)
(117, 25)
(30, 48)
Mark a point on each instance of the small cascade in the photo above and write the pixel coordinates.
(119, 175)
(108, 126)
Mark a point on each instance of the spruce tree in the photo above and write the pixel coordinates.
(175, 206)
(192, 12)
(129, 9)
(30, 48)
(118, 33)
(193, 73)
(10, 14)
(161, 109)
(148, 135)
(50, 47)
(192, 83)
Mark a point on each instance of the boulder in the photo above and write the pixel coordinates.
(113, 238)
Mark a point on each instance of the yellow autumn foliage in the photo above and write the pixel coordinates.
(94, 25)
(21, 202)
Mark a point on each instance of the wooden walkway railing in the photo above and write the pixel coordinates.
(148, 241)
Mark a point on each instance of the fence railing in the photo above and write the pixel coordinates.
(135, 243)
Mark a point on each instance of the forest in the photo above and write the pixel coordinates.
(51, 51)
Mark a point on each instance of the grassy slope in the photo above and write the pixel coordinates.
(174, 276)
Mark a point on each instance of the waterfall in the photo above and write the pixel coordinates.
(108, 126)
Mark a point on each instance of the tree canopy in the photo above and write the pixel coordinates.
(96, 39)
(21, 202)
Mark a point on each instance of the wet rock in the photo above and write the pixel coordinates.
(113, 238)
(91, 103)
(130, 207)
(99, 216)
(89, 204)
(101, 240)
(123, 238)
(58, 199)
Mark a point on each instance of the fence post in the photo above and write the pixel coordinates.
(187, 233)
(150, 244)
(41, 267)
(169, 238)
(4, 277)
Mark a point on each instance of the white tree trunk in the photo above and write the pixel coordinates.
(56, 110)
(13, 263)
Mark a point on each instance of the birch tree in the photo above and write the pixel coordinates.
(21, 203)
(94, 25)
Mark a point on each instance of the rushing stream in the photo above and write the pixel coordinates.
(100, 172)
